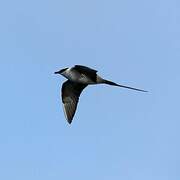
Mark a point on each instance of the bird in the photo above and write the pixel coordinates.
(78, 78)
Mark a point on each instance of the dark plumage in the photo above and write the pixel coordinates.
(79, 77)
(70, 96)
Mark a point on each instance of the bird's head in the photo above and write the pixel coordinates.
(61, 72)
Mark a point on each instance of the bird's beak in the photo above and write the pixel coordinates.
(56, 72)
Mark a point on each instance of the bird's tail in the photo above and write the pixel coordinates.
(119, 85)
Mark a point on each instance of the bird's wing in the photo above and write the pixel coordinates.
(70, 97)
(91, 73)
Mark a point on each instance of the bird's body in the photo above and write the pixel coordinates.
(82, 75)
(79, 77)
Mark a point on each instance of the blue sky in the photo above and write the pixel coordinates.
(116, 133)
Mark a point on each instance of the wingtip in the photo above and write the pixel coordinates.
(69, 121)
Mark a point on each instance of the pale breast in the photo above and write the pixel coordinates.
(72, 75)
(75, 76)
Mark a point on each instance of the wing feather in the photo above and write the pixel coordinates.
(70, 97)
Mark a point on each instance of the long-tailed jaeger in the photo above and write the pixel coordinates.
(80, 77)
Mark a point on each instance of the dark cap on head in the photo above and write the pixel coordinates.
(61, 71)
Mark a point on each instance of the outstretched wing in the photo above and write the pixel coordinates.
(91, 73)
(70, 97)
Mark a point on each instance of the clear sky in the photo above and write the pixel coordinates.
(116, 133)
